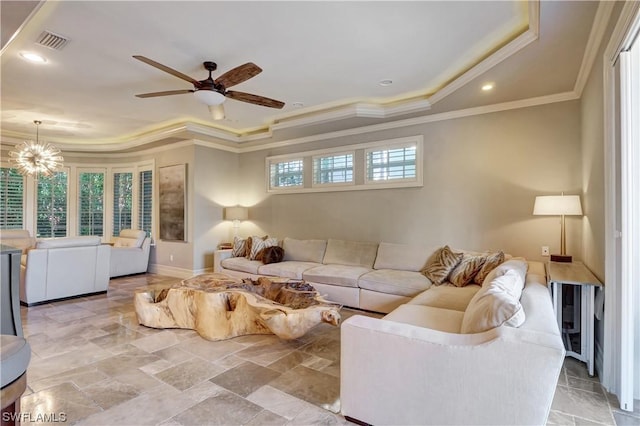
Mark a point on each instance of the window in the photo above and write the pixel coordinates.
(286, 174)
(11, 199)
(145, 204)
(51, 210)
(385, 164)
(333, 169)
(122, 201)
(91, 203)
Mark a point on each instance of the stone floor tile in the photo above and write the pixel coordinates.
(279, 402)
(110, 392)
(588, 405)
(225, 408)
(560, 419)
(63, 400)
(245, 378)
(267, 418)
(312, 386)
(189, 373)
(624, 419)
(157, 341)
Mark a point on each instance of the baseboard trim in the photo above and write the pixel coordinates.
(172, 271)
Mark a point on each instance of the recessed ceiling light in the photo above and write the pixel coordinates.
(33, 57)
(385, 82)
(297, 104)
(487, 86)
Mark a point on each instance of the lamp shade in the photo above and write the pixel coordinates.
(236, 213)
(557, 205)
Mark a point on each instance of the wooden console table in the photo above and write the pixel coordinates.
(584, 282)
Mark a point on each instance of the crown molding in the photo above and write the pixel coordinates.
(600, 22)
(487, 109)
(511, 48)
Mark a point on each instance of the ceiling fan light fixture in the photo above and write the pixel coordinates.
(217, 111)
(209, 97)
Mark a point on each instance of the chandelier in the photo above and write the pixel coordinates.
(34, 158)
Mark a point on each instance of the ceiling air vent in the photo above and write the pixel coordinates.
(52, 40)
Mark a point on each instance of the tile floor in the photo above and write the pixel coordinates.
(94, 363)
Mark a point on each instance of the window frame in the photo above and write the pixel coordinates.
(369, 181)
(274, 161)
(23, 215)
(105, 194)
(359, 167)
(314, 171)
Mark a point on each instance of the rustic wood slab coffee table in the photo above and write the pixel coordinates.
(219, 307)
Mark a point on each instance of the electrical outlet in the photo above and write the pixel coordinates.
(171, 257)
(545, 250)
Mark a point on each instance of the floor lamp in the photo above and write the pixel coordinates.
(558, 205)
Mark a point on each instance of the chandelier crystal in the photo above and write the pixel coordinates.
(34, 158)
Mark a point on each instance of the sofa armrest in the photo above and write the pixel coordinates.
(219, 256)
(393, 373)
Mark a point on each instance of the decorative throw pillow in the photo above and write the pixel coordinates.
(441, 265)
(494, 305)
(258, 244)
(273, 254)
(239, 247)
(466, 270)
(492, 261)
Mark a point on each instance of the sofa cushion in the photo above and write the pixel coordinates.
(304, 250)
(48, 243)
(466, 270)
(402, 257)
(241, 264)
(494, 305)
(441, 264)
(354, 253)
(288, 268)
(340, 275)
(519, 266)
(390, 281)
(491, 262)
(446, 320)
(446, 296)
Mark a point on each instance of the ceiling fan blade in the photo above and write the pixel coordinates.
(165, 93)
(254, 99)
(239, 74)
(168, 70)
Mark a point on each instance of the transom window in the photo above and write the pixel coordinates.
(391, 164)
(286, 174)
(386, 164)
(333, 169)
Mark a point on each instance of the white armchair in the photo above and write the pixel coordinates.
(130, 253)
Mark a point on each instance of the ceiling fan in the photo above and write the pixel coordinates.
(214, 92)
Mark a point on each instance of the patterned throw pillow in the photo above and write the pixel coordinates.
(258, 245)
(466, 270)
(441, 265)
(239, 247)
(491, 262)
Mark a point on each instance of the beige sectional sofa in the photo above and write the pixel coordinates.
(364, 275)
(489, 354)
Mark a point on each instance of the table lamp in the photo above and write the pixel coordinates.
(558, 205)
(236, 214)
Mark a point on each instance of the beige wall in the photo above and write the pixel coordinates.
(481, 176)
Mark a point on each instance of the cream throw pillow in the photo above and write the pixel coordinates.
(494, 305)
(258, 244)
(441, 265)
(466, 270)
